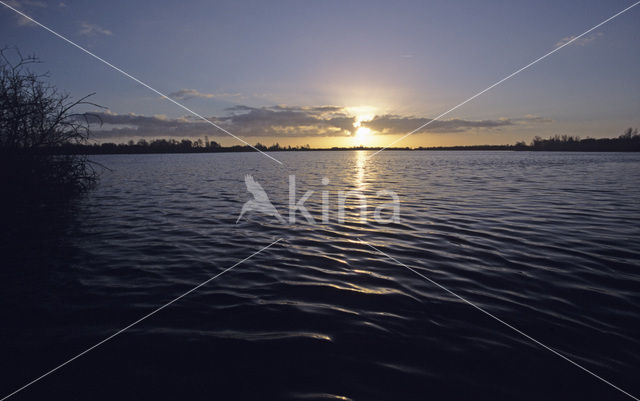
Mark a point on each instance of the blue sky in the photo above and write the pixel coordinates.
(412, 60)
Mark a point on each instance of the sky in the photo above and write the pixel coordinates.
(341, 73)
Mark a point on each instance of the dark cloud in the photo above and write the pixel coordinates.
(290, 121)
(133, 125)
(394, 124)
(284, 121)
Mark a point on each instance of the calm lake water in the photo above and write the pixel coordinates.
(548, 242)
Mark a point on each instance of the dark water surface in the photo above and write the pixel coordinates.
(548, 242)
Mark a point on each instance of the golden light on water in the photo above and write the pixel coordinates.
(361, 159)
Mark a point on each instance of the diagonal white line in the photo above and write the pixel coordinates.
(505, 78)
(138, 81)
(137, 321)
(499, 320)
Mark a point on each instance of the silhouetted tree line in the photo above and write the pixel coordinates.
(36, 119)
(143, 146)
(629, 141)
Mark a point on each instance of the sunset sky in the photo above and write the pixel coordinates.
(342, 73)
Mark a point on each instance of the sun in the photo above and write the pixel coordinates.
(363, 134)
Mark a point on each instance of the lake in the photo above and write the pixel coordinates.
(547, 242)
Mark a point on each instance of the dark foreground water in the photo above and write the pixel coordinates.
(548, 242)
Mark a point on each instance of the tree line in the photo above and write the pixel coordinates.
(143, 146)
(629, 141)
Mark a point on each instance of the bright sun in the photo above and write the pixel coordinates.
(363, 135)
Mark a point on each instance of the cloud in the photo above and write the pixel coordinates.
(134, 125)
(27, 4)
(241, 120)
(582, 41)
(531, 119)
(87, 29)
(285, 121)
(23, 21)
(184, 94)
(394, 124)
(291, 120)
(23, 5)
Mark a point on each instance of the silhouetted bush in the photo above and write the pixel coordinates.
(36, 121)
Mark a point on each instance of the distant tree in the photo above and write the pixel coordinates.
(629, 133)
(275, 146)
(36, 121)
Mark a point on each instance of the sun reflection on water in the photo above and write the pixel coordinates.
(360, 162)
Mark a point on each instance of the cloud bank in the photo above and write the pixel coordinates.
(286, 121)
